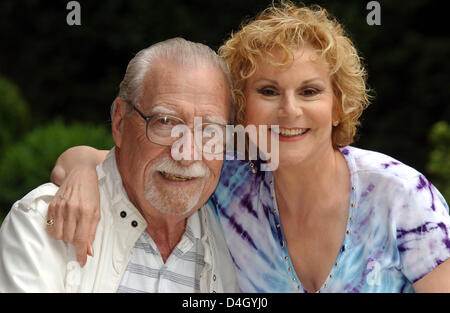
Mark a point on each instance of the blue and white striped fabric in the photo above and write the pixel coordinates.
(146, 271)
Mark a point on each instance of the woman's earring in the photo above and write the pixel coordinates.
(335, 123)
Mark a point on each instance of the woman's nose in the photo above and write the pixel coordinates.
(290, 107)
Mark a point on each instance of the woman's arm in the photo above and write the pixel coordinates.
(75, 209)
(438, 280)
(73, 158)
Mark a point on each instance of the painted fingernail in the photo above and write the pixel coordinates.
(91, 250)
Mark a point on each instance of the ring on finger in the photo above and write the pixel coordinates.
(50, 222)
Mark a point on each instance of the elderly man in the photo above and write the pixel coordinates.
(155, 233)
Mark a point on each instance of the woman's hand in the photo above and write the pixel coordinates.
(75, 211)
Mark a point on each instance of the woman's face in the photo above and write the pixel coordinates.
(299, 98)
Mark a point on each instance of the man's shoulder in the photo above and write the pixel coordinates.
(30, 259)
(37, 199)
(30, 212)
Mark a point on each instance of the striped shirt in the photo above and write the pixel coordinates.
(146, 271)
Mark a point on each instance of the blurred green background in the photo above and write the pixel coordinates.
(58, 81)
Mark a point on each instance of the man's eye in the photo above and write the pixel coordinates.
(165, 121)
(267, 91)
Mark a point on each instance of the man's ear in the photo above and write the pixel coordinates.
(120, 109)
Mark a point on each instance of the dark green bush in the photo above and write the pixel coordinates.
(28, 163)
(14, 113)
(439, 161)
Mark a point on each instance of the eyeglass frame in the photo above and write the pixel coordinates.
(148, 118)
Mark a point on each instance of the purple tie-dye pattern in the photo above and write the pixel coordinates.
(422, 182)
(240, 230)
(443, 227)
(276, 230)
(401, 247)
(369, 189)
(351, 287)
(368, 267)
(425, 183)
(402, 289)
(419, 230)
(386, 165)
(393, 238)
(364, 220)
(446, 240)
(234, 262)
(267, 211)
(246, 202)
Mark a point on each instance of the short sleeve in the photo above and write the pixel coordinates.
(423, 228)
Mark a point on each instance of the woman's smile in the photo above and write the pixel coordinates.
(290, 133)
(298, 97)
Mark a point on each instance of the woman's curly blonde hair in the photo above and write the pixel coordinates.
(287, 26)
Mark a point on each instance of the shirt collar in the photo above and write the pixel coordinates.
(109, 169)
(193, 226)
(110, 182)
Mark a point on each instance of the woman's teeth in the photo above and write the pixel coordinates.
(175, 177)
(292, 132)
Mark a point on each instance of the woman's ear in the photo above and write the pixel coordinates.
(335, 114)
(119, 112)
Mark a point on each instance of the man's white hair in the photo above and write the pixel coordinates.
(177, 50)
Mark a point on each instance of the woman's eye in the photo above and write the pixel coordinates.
(267, 92)
(310, 92)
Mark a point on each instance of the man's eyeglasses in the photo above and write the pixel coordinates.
(159, 128)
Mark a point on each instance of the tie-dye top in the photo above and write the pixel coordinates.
(397, 229)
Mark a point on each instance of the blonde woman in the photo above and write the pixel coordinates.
(331, 218)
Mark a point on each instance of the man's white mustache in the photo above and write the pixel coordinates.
(167, 165)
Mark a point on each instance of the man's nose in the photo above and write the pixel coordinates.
(194, 152)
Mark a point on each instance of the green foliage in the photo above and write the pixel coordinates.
(14, 113)
(28, 163)
(75, 71)
(439, 161)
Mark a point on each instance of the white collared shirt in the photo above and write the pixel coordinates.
(33, 261)
(147, 272)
